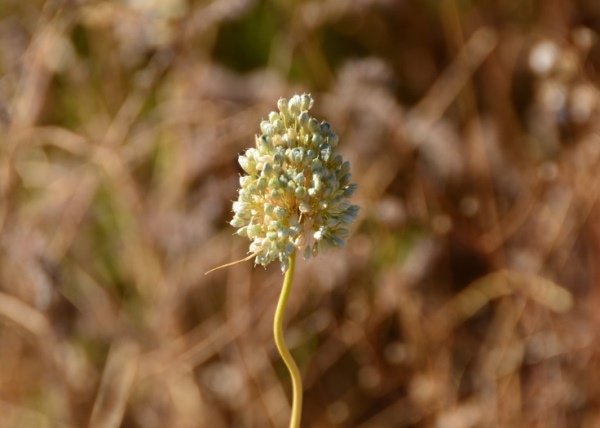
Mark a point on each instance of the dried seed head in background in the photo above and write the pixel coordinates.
(296, 192)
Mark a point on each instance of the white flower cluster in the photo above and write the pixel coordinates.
(296, 192)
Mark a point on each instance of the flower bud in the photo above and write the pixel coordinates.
(278, 126)
(282, 105)
(273, 116)
(289, 248)
(283, 233)
(244, 179)
(251, 154)
(306, 102)
(245, 195)
(262, 183)
(263, 142)
(254, 230)
(320, 233)
(267, 169)
(275, 194)
(298, 155)
(294, 106)
(304, 207)
(278, 158)
(274, 183)
(313, 125)
(280, 213)
(303, 119)
(277, 140)
(337, 161)
(237, 222)
(265, 127)
(326, 152)
(345, 168)
(333, 140)
(350, 189)
(345, 179)
(246, 165)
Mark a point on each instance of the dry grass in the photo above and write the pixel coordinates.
(467, 297)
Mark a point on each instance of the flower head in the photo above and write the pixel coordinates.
(295, 194)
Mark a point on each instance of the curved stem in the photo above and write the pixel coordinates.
(282, 347)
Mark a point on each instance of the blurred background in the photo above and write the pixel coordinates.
(468, 296)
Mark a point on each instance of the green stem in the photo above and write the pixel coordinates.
(282, 347)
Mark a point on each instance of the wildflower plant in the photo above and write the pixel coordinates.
(294, 197)
(295, 194)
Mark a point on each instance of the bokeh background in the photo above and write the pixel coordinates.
(468, 296)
